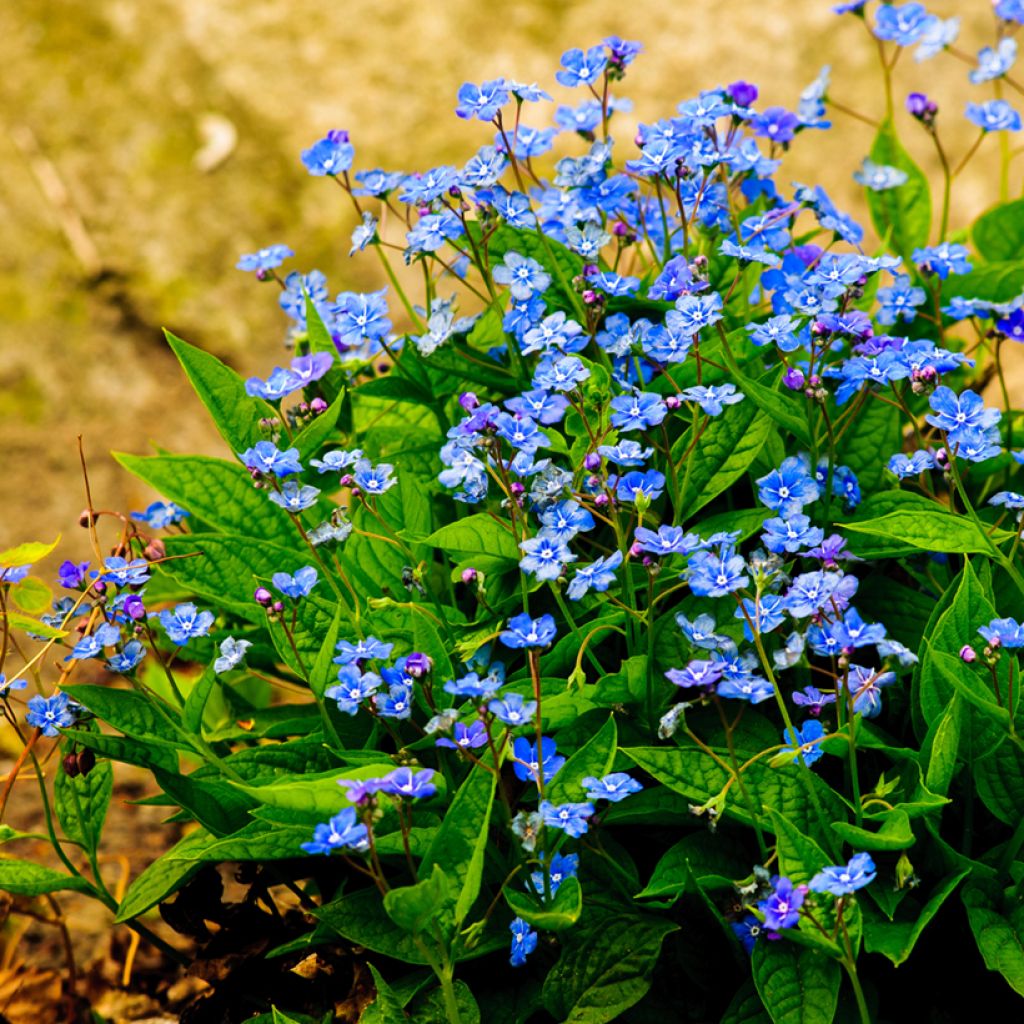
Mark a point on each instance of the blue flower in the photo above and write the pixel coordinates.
(943, 260)
(232, 652)
(72, 575)
(639, 411)
(185, 622)
(761, 616)
(712, 398)
(614, 787)
(433, 230)
(899, 302)
(845, 880)
(559, 373)
(329, 156)
(700, 673)
(337, 460)
(362, 650)
(7, 685)
(570, 818)
(293, 498)
(994, 116)
(299, 585)
(754, 689)
(528, 767)
(159, 515)
(775, 123)
(92, 645)
(636, 486)
(279, 384)
(903, 25)
(749, 928)
(482, 101)
(50, 713)
(538, 405)
(715, 575)
(938, 35)
(128, 658)
(466, 737)
(581, 68)
(396, 703)
(265, 457)
(545, 556)
(342, 832)
(879, 177)
(669, 540)
(701, 632)
(692, 313)
(360, 316)
(565, 519)
(523, 631)
(353, 688)
(790, 534)
(811, 698)
(524, 276)
(599, 575)
(406, 782)
(994, 63)
(363, 233)
(805, 742)
(123, 573)
(782, 908)
(264, 259)
(788, 488)
(563, 866)
(524, 942)
(520, 432)
(1003, 633)
(374, 479)
(306, 369)
(956, 414)
(513, 709)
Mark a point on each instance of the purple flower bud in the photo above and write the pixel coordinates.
(517, 489)
(647, 561)
(699, 262)
(742, 93)
(134, 608)
(589, 296)
(589, 269)
(919, 106)
(636, 550)
(592, 460)
(469, 576)
(278, 607)
(601, 500)
(338, 135)
(346, 480)
(794, 378)
(818, 328)
(263, 597)
(620, 228)
(968, 654)
(468, 401)
(264, 275)
(99, 587)
(673, 402)
(418, 664)
(638, 140)
(317, 406)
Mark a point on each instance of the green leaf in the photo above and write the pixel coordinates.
(785, 789)
(896, 939)
(163, 877)
(800, 858)
(994, 282)
(727, 447)
(765, 394)
(222, 391)
(875, 428)
(700, 856)
(132, 713)
(32, 595)
(143, 753)
(23, 878)
(29, 625)
(414, 907)
(904, 213)
(796, 985)
(462, 838)
(939, 750)
(217, 806)
(999, 779)
(895, 833)
(432, 1008)
(476, 535)
(27, 553)
(386, 1007)
(605, 966)
(594, 758)
(278, 1017)
(217, 492)
(562, 912)
(998, 928)
(929, 529)
(998, 234)
(195, 702)
(81, 803)
(318, 792)
(746, 1007)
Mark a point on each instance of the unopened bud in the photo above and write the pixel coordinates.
(86, 761)
(71, 765)
(968, 653)
(469, 576)
(86, 518)
(317, 406)
(263, 597)
(592, 460)
(673, 402)
(155, 550)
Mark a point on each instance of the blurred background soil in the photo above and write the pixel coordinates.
(145, 144)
